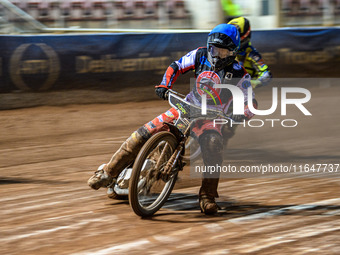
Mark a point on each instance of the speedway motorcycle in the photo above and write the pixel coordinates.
(149, 181)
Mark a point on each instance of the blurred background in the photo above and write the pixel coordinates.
(160, 14)
(118, 44)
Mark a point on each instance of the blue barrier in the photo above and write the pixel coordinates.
(304, 52)
(115, 61)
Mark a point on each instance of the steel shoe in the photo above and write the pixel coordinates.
(100, 178)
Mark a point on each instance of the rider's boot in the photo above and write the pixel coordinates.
(212, 153)
(121, 159)
(101, 178)
(207, 194)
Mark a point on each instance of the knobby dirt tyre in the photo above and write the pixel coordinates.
(136, 177)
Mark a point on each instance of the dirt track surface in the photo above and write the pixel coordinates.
(48, 153)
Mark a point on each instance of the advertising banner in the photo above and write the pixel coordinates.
(115, 61)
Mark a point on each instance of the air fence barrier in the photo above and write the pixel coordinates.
(112, 61)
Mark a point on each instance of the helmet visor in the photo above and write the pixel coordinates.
(220, 52)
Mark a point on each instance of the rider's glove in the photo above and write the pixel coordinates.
(256, 84)
(161, 92)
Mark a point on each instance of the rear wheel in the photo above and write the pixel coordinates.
(149, 186)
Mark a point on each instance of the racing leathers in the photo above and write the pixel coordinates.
(206, 77)
(210, 137)
(252, 61)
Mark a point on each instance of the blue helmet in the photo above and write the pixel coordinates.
(223, 43)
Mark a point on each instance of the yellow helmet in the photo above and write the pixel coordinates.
(243, 26)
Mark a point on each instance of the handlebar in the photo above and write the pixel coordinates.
(213, 113)
(173, 92)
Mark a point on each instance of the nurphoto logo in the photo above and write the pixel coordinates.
(239, 99)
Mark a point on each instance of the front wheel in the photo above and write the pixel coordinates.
(149, 186)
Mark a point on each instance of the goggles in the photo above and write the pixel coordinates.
(220, 52)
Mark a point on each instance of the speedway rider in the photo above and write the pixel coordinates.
(215, 62)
